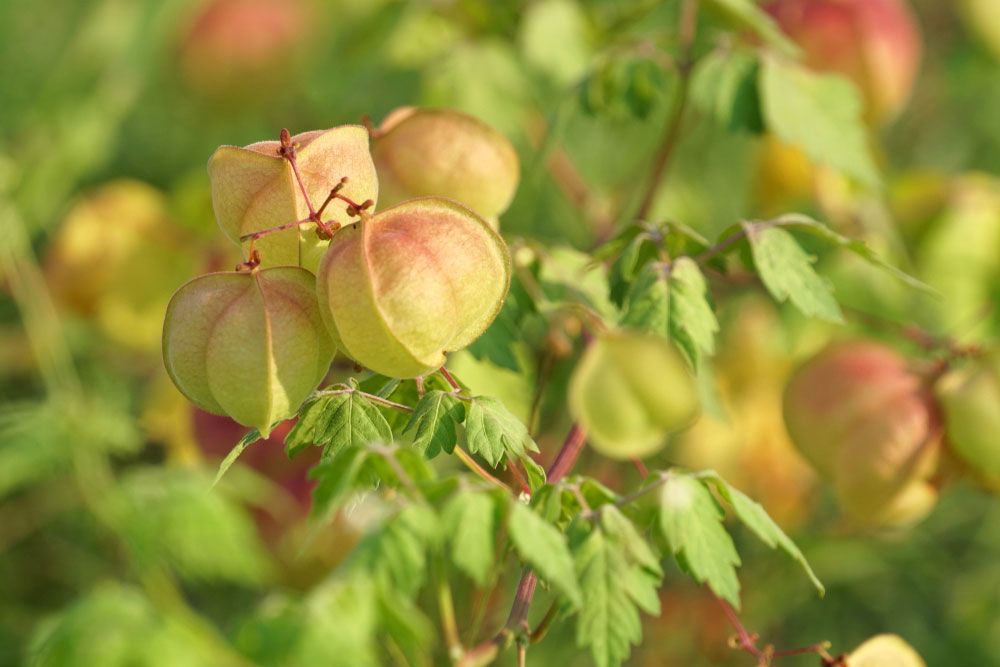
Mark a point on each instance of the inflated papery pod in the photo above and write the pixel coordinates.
(254, 188)
(629, 391)
(866, 421)
(885, 651)
(248, 345)
(400, 289)
(445, 153)
(970, 398)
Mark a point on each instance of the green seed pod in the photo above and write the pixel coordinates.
(248, 345)
(864, 419)
(445, 153)
(970, 399)
(399, 289)
(254, 188)
(629, 391)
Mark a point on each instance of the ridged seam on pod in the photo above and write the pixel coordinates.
(629, 391)
(254, 188)
(399, 289)
(445, 153)
(248, 345)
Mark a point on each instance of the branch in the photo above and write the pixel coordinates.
(671, 136)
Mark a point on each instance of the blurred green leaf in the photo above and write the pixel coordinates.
(724, 86)
(469, 522)
(691, 521)
(819, 113)
(787, 273)
(544, 547)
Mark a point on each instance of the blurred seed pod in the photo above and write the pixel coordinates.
(445, 153)
(629, 391)
(970, 399)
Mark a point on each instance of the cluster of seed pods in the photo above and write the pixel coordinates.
(394, 290)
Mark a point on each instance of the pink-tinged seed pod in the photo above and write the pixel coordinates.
(970, 398)
(866, 421)
(875, 43)
(248, 345)
(445, 153)
(629, 391)
(254, 188)
(399, 289)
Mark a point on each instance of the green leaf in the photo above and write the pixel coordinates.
(756, 518)
(637, 252)
(434, 422)
(252, 436)
(648, 305)
(396, 553)
(787, 273)
(469, 522)
(692, 320)
(536, 473)
(303, 434)
(677, 306)
(608, 621)
(725, 87)
(691, 521)
(543, 547)
(819, 113)
(491, 431)
(337, 479)
(856, 246)
(495, 344)
(167, 517)
(617, 525)
(351, 420)
(746, 14)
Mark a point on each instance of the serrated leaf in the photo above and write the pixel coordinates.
(856, 246)
(469, 522)
(434, 423)
(636, 253)
(724, 86)
(787, 272)
(491, 431)
(252, 436)
(351, 420)
(692, 320)
(756, 518)
(543, 547)
(535, 472)
(336, 480)
(691, 521)
(396, 553)
(624, 532)
(677, 306)
(648, 305)
(819, 113)
(303, 433)
(747, 14)
(608, 621)
(167, 517)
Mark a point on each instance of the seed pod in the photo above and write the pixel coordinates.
(254, 188)
(864, 420)
(399, 289)
(445, 153)
(629, 391)
(970, 399)
(875, 43)
(885, 651)
(248, 345)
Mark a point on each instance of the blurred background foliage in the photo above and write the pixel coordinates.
(112, 552)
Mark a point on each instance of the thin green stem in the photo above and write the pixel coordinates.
(482, 472)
